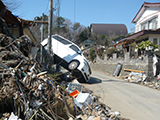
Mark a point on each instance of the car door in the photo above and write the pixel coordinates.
(61, 47)
(73, 51)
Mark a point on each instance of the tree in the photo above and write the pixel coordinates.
(76, 26)
(106, 42)
(64, 27)
(59, 23)
(68, 23)
(84, 34)
(41, 18)
(76, 29)
(60, 27)
(92, 54)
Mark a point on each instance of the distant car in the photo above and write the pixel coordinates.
(68, 55)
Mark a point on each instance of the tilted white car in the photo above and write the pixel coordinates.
(68, 55)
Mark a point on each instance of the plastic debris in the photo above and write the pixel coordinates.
(84, 99)
(74, 93)
(74, 86)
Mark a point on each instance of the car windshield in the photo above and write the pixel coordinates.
(76, 49)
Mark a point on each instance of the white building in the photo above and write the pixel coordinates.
(147, 26)
(148, 18)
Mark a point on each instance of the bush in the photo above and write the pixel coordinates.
(110, 51)
(92, 54)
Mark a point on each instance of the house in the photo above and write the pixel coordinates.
(87, 44)
(147, 27)
(14, 26)
(109, 29)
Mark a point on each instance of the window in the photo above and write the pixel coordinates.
(87, 45)
(159, 42)
(144, 26)
(74, 48)
(154, 41)
(153, 24)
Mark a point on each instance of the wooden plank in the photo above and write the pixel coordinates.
(134, 70)
(125, 76)
(97, 118)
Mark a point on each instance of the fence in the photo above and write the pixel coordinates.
(144, 63)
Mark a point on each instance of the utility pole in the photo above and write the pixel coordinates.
(58, 16)
(50, 59)
(74, 10)
(74, 19)
(42, 37)
(50, 25)
(58, 66)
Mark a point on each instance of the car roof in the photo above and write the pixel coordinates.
(60, 39)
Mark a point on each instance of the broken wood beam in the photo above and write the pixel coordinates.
(131, 70)
(125, 76)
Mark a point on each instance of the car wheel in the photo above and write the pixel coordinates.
(73, 65)
(81, 80)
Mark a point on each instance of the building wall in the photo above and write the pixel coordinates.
(151, 38)
(149, 14)
(108, 66)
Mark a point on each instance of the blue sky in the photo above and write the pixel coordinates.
(86, 11)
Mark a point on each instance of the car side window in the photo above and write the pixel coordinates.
(63, 41)
(75, 48)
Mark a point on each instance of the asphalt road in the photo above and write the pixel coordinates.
(133, 101)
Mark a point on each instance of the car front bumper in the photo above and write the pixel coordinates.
(85, 71)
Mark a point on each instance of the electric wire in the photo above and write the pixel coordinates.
(39, 15)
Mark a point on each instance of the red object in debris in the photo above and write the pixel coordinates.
(74, 93)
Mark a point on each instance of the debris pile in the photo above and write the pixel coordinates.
(28, 92)
(137, 76)
(155, 84)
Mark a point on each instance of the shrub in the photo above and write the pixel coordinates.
(92, 54)
(109, 52)
(144, 44)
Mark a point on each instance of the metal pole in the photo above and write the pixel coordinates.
(74, 10)
(49, 46)
(50, 25)
(42, 37)
(58, 66)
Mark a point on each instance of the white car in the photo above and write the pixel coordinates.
(68, 55)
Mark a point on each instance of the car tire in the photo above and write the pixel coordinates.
(73, 65)
(81, 80)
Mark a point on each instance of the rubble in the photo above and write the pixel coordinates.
(28, 92)
(137, 76)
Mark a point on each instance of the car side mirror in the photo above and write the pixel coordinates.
(79, 52)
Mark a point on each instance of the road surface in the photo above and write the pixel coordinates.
(133, 101)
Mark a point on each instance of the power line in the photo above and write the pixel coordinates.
(74, 10)
(47, 8)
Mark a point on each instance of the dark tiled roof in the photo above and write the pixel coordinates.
(139, 34)
(109, 29)
(89, 41)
